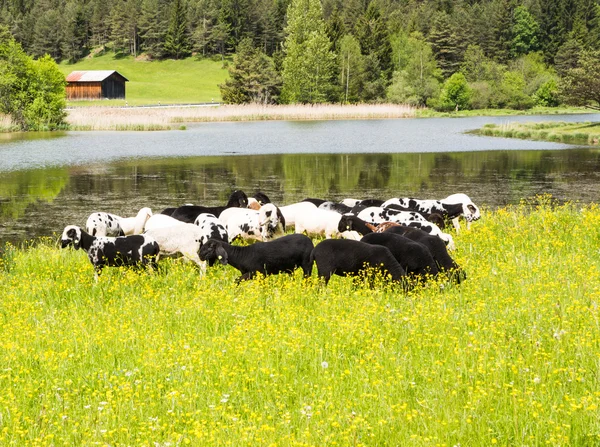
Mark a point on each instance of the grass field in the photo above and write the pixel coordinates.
(510, 357)
(168, 82)
(560, 132)
(560, 110)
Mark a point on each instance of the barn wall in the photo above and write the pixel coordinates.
(113, 88)
(88, 90)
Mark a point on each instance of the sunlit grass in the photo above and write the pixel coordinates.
(560, 132)
(509, 357)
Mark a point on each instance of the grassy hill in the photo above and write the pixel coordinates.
(168, 82)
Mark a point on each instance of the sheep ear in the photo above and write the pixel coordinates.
(221, 255)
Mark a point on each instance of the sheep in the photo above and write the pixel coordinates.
(161, 221)
(185, 239)
(414, 257)
(470, 211)
(257, 200)
(212, 228)
(281, 255)
(350, 202)
(318, 222)
(355, 223)
(103, 224)
(290, 212)
(188, 213)
(266, 223)
(352, 258)
(315, 202)
(436, 247)
(335, 206)
(135, 225)
(427, 207)
(112, 251)
(413, 219)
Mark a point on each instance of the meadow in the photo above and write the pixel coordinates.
(185, 81)
(560, 132)
(509, 357)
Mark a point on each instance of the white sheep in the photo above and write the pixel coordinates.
(290, 212)
(135, 225)
(318, 222)
(261, 225)
(184, 239)
(161, 221)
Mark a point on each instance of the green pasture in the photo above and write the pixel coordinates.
(559, 132)
(510, 357)
(561, 110)
(169, 82)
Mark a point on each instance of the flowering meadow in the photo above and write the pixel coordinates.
(510, 357)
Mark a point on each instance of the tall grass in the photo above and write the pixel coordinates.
(102, 118)
(509, 357)
(6, 124)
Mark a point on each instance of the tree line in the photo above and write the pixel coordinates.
(448, 54)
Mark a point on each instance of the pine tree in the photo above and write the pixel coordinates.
(372, 33)
(448, 50)
(308, 67)
(252, 77)
(177, 43)
(74, 44)
(153, 28)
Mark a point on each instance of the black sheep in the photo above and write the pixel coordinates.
(285, 254)
(414, 257)
(436, 247)
(351, 258)
(189, 213)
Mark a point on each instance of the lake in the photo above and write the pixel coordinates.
(48, 181)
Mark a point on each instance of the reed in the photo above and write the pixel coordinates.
(6, 124)
(509, 357)
(103, 118)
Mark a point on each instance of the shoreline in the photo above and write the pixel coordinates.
(174, 117)
(582, 133)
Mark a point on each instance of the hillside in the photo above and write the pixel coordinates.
(168, 82)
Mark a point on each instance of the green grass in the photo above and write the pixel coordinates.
(562, 132)
(509, 357)
(168, 82)
(430, 113)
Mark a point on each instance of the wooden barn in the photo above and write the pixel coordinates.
(96, 84)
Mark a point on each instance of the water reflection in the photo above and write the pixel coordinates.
(42, 201)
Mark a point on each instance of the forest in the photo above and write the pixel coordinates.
(446, 54)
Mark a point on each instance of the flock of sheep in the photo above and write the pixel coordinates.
(400, 237)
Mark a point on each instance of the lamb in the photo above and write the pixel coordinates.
(266, 223)
(188, 213)
(351, 258)
(104, 224)
(318, 222)
(185, 239)
(281, 255)
(436, 247)
(414, 257)
(112, 251)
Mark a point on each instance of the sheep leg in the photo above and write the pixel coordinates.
(245, 277)
(456, 224)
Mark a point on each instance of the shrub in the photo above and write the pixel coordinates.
(456, 94)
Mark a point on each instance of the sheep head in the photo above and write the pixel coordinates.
(71, 236)
(212, 252)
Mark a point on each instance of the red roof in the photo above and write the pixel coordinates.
(92, 75)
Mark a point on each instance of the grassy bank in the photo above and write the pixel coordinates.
(510, 357)
(166, 82)
(560, 132)
(562, 110)
(100, 118)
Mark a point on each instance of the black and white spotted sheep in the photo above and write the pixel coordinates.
(104, 224)
(188, 213)
(211, 227)
(261, 225)
(112, 251)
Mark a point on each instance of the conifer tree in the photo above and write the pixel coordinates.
(177, 44)
(308, 67)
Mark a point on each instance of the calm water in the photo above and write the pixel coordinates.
(47, 183)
